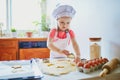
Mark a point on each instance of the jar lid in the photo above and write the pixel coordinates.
(95, 39)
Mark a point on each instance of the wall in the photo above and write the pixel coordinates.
(98, 18)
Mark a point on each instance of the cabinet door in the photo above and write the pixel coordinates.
(34, 53)
(8, 54)
(8, 44)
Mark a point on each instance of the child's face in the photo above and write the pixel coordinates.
(64, 23)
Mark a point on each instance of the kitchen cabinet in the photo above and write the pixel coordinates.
(8, 49)
(33, 48)
(23, 48)
(8, 54)
(34, 53)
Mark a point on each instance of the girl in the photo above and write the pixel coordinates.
(59, 38)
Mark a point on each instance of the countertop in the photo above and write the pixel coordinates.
(79, 75)
(5, 68)
(23, 38)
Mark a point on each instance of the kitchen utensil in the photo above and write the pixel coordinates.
(109, 66)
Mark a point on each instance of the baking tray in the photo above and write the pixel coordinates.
(29, 67)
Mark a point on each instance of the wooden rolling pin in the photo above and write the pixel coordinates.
(109, 66)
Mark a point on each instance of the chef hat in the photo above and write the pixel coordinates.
(63, 10)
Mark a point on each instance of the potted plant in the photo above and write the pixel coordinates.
(14, 32)
(29, 33)
(43, 23)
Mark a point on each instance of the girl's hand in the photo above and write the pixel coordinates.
(77, 59)
(66, 52)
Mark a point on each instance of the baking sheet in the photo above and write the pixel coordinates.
(7, 72)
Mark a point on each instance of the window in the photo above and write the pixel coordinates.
(3, 14)
(24, 13)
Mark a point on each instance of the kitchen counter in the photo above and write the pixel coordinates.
(81, 76)
(23, 38)
(5, 72)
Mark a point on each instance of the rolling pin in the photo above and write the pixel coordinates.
(109, 66)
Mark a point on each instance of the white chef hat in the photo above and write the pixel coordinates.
(63, 10)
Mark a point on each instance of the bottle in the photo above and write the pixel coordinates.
(95, 48)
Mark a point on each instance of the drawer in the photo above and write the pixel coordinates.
(8, 54)
(33, 44)
(8, 44)
(34, 53)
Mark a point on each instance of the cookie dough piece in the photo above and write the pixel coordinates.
(46, 61)
(71, 56)
(16, 66)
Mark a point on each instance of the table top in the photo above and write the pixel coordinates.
(78, 75)
(5, 72)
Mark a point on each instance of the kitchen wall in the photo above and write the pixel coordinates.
(98, 18)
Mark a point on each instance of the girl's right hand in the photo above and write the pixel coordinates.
(66, 52)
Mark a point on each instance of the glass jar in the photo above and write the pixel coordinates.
(95, 48)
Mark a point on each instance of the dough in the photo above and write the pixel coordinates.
(58, 67)
(16, 66)
(71, 56)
